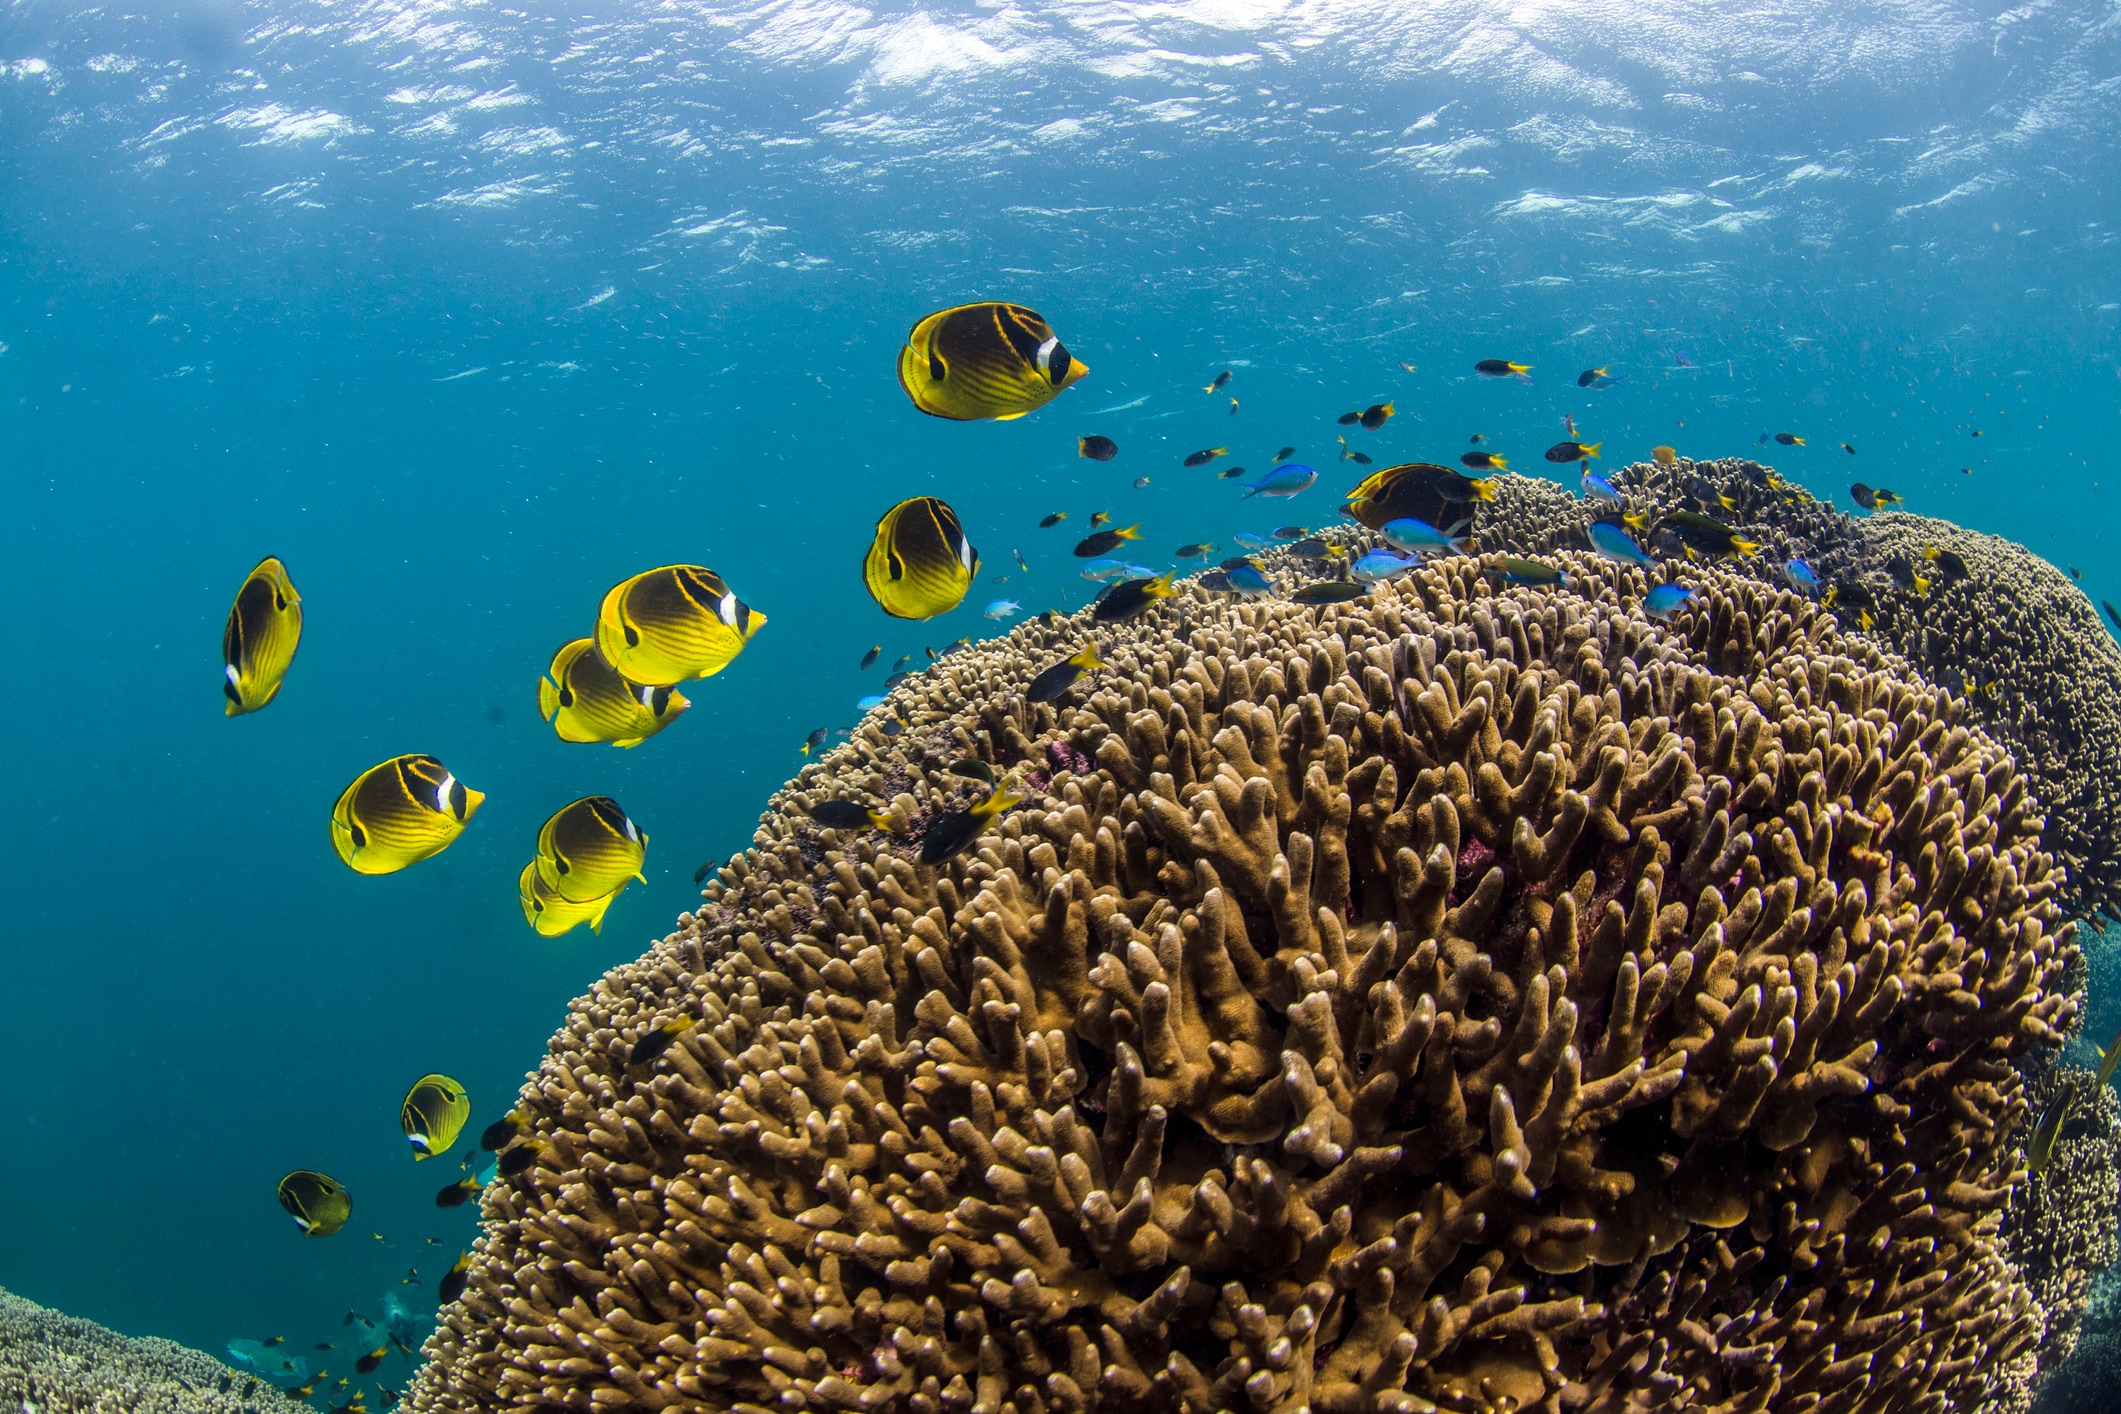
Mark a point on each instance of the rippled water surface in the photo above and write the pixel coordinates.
(469, 310)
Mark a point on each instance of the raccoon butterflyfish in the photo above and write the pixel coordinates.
(1329, 591)
(988, 360)
(589, 849)
(550, 913)
(1789, 439)
(1572, 451)
(432, 1114)
(1414, 490)
(1097, 449)
(1501, 368)
(1132, 597)
(318, 1203)
(849, 815)
(1710, 536)
(399, 813)
(1202, 458)
(671, 623)
(587, 700)
(1483, 461)
(1105, 540)
(1664, 456)
(1052, 682)
(920, 564)
(654, 1043)
(264, 629)
(453, 1281)
(954, 833)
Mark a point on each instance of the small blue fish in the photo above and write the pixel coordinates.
(1002, 609)
(868, 704)
(1381, 564)
(1104, 569)
(1801, 578)
(1250, 541)
(1763, 441)
(1248, 581)
(1597, 488)
(1682, 358)
(1286, 480)
(1666, 600)
(1614, 542)
(1417, 536)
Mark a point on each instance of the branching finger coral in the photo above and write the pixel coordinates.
(1452, 999)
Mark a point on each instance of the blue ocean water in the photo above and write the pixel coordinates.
(468, 311)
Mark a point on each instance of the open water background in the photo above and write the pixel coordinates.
(470, 310)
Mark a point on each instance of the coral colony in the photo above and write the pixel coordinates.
(1466, 996)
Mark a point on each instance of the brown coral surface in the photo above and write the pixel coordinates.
(1452, 999)
(51, 1363)
(2015, 637)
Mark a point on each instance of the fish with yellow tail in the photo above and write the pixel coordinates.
(654, 1043)
(671, 623)
(588, 700)
(919, 564)
(1053, 683)
(590, 849)
(981, 361)
(551, 914)
(2040, 1151)
(319, 1203)
(1132, 598)
(1417, 490)
(258, 645)
(453, 1281)
(400, 812)
(954, 833)
(432, 1114)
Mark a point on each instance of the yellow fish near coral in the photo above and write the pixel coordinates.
(258, 645)
(399, 813)
(432, 1114)
(589, 850)
(920, 564)
(586, 699)
(551, 915)
(319, 1203)
(988, 360)
(666, 625)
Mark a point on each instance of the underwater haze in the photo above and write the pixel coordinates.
(468, 311)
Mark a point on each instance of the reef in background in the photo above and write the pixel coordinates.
(2016, 639)
(52, 1363)
(1462, 996)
